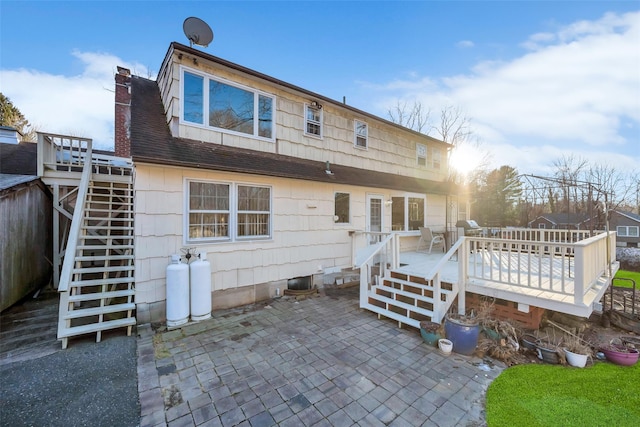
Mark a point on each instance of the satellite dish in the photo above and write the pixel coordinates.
(197, 31)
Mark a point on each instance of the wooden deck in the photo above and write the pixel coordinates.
(541, 281)
(564, 271)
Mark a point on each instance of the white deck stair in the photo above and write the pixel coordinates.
(410, 299)
(100, 294)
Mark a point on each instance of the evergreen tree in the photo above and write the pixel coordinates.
(11, 116)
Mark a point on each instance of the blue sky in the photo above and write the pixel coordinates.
(538, 80)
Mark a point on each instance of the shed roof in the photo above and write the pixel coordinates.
(11, 180)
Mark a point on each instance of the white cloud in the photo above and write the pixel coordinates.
(465, 44)
(79, 105)
(578, 90)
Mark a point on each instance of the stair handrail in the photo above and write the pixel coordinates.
(365, 268)
(381, 245)
(446, 258)
(440, 307)
(76, 222)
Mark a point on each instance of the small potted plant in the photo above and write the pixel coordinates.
(463, 331)
(620, 353)
(576, 351)
(430, 332)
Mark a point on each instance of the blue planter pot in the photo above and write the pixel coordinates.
(463, 336)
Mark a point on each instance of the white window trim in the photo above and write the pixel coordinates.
(233, 214)
(355, 135)
(205, 102)
(320, 123)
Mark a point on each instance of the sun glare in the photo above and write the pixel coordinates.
(465, 159)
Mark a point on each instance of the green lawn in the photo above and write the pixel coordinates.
(627, 275)
(553, 395)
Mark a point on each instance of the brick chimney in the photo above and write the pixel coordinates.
(122, 131)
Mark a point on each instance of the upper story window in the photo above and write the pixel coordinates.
(227, 212)
(313, 120)
(228, 107)
(193, 98)
(421, 154)
(361, 132)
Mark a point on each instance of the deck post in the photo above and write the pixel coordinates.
(364, 285)
(579, 274)
(56, 234)
(463, 264)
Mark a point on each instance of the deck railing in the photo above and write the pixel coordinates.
(570, 269)
(69, 153)
(61, 152)
(540, 234)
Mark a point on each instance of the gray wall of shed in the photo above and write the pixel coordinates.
(26, 243)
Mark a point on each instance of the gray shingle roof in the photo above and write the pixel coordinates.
(20, 159)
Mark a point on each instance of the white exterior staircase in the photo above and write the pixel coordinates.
(93, 228)
(100, 293)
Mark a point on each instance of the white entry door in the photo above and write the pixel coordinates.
(375, 216)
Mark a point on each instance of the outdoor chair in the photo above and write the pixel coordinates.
(428, 237)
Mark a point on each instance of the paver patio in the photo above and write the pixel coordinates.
(320, 361)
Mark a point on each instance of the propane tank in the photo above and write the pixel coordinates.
(177, 292)
(200, 288)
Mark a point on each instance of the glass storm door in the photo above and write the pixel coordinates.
(374, 216)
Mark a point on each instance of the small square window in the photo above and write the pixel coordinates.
(361, 131)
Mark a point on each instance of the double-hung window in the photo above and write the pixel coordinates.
(227, 211)
(627, 231)
(226, 106)
(407, 213)
(313, 121)
(421, 154)
(361, 134)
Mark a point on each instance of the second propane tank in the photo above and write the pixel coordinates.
(200, 288)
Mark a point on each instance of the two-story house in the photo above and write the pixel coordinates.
(267, 178)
